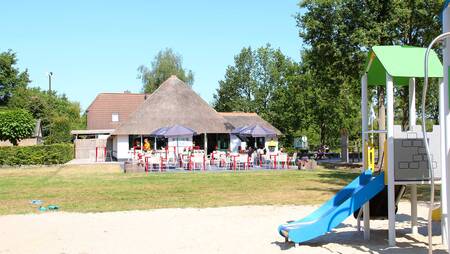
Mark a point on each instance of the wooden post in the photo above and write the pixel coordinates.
(205, 143)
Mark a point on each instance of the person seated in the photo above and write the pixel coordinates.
(250, 151)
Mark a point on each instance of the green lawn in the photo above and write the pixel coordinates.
(98, 188)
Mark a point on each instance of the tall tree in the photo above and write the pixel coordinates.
(339, 33)
(259, 82)
(165, 64)
(10, 76)
(58, 114)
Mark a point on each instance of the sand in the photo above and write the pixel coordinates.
(245, 229)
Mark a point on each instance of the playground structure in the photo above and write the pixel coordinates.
(410, 157)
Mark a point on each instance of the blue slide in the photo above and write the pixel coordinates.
(335, 210)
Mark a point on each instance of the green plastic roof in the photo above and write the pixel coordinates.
(402, 63)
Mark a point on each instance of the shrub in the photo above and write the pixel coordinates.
(16, 125)
(36, 155)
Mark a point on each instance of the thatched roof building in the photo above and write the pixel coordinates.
(129, 119)
(174, 103)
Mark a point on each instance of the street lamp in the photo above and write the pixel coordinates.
(49, 74)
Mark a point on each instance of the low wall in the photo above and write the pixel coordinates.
(85, 149)
(23, 142)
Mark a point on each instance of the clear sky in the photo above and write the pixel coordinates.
(97, 46)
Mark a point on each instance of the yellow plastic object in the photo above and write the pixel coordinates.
(436, 214)
(272, 143)
(370, 158)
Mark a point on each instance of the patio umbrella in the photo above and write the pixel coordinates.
(257, 131)
(159, 133)
(178, 131)
(238, 130)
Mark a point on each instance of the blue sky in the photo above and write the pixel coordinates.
(97, 46)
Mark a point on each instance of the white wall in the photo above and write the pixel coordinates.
(114, 141)
(122, 147)
(235, 142)
(183, 142)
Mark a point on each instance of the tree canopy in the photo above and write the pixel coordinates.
(165, 64)
(319, 96)
(10, 76)
(16, 125)
(338, 34)
(257, 82)
(57, 113)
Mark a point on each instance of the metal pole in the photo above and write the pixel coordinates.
(390, 158)
(445, 35)
(444, 174)
(365, 127)
(412, 123)
(444, 119)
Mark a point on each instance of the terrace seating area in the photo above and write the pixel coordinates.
(194, 159)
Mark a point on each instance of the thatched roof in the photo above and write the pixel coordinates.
(239, 119)
(174, 103)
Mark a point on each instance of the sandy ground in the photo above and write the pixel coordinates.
(247, 229)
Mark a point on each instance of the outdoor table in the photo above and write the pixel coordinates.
(274, 160)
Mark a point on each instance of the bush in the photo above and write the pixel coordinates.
(16, 125)
(36, 155)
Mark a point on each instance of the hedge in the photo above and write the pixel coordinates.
(36, 155)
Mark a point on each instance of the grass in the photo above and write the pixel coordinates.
(100, 188)
(105, 188)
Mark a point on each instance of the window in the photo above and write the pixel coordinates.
(115, 117)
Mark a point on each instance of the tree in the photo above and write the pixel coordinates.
(259, 81)
(16, 125)
(339, 33)
(10, 76)
(165, 64)
(59, 130)
(58, 115)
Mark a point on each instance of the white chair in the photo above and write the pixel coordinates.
(242, 161)
(223, 160)
(282, 160)
(215, 158)
(198, 161)
(293, 159)
(185, 161)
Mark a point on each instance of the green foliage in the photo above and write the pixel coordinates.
(58, 114)
(10, 76)
(16, 125)
(165, 64)
(338, 35)
(36, 155)
(60, 128)
(267, 82)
